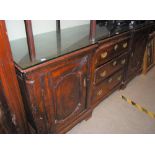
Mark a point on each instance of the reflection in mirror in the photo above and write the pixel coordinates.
(45, 41)
(49, 43)
(74, 34)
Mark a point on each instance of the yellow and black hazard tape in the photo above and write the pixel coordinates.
(151, 114)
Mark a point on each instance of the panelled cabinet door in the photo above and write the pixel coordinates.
(137, 52)
(57, 94)
(68, 91)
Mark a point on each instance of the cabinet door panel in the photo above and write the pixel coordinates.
(137, 52)
(67, 96)
(68, 90)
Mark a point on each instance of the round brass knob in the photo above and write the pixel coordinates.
(123, 61)
(104, 55)
(125, 45)
(110, 80)
(115, 47)
(103, 74)
(114, 63)
(99, 92)
(119, 78)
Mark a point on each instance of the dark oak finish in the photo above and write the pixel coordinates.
(59, 93)
(137, 52)
(69, 91)
(109, 68)
(56, 93)
(11, 102)
(110, 60)
(102, 90)
(111, 48)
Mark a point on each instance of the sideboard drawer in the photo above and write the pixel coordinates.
(109, 68)
(107, 51)
(104, 88)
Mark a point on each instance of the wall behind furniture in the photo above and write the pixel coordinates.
(16, 28)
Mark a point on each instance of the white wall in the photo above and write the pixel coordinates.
(40, 26)
(72, 23)
(16, 28)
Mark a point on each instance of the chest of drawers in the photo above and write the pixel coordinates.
(109, 68)
(112, 48)
(107, 86)
(110, 64)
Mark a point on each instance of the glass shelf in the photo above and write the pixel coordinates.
(48, 46)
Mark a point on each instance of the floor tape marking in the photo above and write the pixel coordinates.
(139, 107)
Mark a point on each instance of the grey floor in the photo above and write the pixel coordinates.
(114, 115)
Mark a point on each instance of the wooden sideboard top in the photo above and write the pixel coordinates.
(49, 45)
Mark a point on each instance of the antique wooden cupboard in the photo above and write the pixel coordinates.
(137, 52)
(56, 93)
(63, 90)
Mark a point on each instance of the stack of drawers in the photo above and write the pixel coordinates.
(110, 63)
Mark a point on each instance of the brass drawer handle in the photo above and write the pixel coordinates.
(125, 45)
(123, 61)
(116, 47)
(119, 78)
(110, 80)
(103, 74)
(104, 55)
(114, 63)
(99, 92)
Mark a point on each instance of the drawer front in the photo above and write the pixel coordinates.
(103, 89)
(108, 51)
(109, 68)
